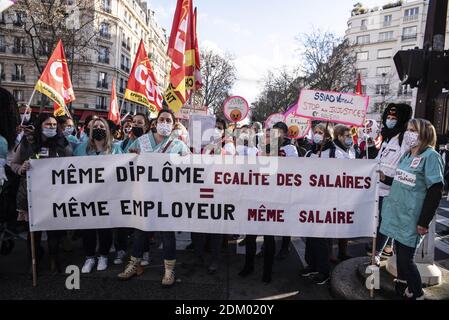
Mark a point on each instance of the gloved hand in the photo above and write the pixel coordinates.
(3, 177)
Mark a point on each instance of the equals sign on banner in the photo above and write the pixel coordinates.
(206, 193)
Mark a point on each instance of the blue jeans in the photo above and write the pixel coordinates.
(168, 244)
(381, 240)
(407, 269)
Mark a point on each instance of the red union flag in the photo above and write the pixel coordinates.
(192, 56)
(142, 87)
(175, 96)
(358, 87)
(114, 114)
(55, 82)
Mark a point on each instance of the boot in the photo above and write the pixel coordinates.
(133, 268)
(169, 276)
(400, 286)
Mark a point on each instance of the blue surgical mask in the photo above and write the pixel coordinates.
(49, 132)
(391, 123)
(348, 142)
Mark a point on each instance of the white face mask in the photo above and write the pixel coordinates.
(411, 139)
(318, 138)
(164, 129)
(48, 132)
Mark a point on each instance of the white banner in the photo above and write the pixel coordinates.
(346, 108)
(329, 198)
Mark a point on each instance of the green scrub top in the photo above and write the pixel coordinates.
(3, 148)
(81, 150)
(147, 144)
(402, 208)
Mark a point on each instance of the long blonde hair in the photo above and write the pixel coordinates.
(327, 129)
(427, 133)
(107, 144)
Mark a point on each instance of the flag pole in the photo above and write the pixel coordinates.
(33, 259)
(28, 106)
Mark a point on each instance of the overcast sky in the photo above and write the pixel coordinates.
(260, 33)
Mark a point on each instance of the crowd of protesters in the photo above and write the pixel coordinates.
(404, 145)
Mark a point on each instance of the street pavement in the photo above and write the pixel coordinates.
(193, 283)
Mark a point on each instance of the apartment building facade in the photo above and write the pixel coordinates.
(118, 26)
(379, 33)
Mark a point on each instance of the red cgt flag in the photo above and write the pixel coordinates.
(358, 88)
(193, 74)
(176, 94)
(55, 82)
(198, 80)
(114, 113)
(142, 87)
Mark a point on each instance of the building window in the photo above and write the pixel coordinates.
(405, 90)
(363, 89)
(103, 55)
(384, 53)
(2, 18)
(383, 71)
(102, 80)
(383, 89)
(19, 74)
(18, 95)
(121, 87)
(387, 20)
(379, 107)
(385, 36)
(409, 33)
(104, 30)
(106, 4)
(411, 14)
(2, 44)
(2, 71)
(101, 103)
(364, 24)
(363, 39)
(19, 45)
(44, 49)
(362, 56)
(18, 21)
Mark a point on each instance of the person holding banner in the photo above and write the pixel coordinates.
(222, 145)
(45, 143)
(161, 142)
(84, 136)
(394, 124)
(99, 143)
(317, 249)
(412, 202)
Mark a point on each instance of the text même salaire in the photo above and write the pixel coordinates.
(169, 173)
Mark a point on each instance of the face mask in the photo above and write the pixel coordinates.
(411, 139)
(391, 123)
(348, 142)
(317, 138)
(164, 129)
(218, 134)
(137, 131)
(49, 133)
(99, 134)
(68, 131)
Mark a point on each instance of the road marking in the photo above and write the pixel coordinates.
(442, 245)
(443, 220)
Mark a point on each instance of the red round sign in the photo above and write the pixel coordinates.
(236, 109)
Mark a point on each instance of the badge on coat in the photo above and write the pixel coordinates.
(415, 163)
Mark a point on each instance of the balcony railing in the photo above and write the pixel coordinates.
(124, 68)
(363, 27)
(105, 35)
(387, 23)
(409, 37)
(103, 60)
(19, 50)
(410, 18)
(101, 107)
(18, 77)
(102, 84)
(107, 9)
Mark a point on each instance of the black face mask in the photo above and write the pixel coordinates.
(137, 131)
(99, 134)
